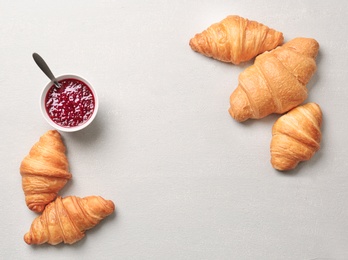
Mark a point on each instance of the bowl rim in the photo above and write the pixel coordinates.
(50, 121)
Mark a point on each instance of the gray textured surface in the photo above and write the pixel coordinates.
(188, 181)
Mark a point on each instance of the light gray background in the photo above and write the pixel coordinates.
(188, 181)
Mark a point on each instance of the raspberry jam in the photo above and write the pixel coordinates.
(70, 105)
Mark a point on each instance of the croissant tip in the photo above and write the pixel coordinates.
(284, 169)
(52, 132)
(240, 108)
(305, 46)
(27, 238)
(238, 117)
(110, 205)
(37, 208)
(283, 164)
(193, 44)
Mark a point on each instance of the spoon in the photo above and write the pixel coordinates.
(44, 67)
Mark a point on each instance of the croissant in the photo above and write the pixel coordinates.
(67, 219)
(235, 39)
(44, 171)
(296, 136)
(276, 82)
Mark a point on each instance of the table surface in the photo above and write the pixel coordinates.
(188, 181)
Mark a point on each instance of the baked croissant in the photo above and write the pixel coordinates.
(235, 39)
(44, 171)
(296, 136)
(276, 82)
(67, 219)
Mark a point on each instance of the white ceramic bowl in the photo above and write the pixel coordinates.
(69, 128)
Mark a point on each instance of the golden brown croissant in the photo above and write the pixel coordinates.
(44, 171)
(296, 136)
(235, 39)
(67, 219)
(276, 82)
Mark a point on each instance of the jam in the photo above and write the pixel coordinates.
(72, 104)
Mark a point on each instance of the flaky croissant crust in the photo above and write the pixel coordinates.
(235, 39)
(45, 171)
(276, 82)
(296, 136)
(67, 219)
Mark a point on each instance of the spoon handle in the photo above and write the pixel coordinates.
(44, 67)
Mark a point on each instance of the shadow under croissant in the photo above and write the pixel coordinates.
(315, 78)
(302, 166)
(311, 84)
(268, 120)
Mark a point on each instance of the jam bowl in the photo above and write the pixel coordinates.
(72, 106)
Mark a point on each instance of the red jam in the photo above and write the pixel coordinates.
(70, 105)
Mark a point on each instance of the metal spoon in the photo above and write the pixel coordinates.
(44, 67)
